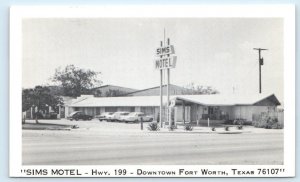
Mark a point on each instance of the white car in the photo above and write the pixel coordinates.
(117, 115)
(137, 117)
(104, 116)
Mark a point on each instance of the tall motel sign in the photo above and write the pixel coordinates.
(165, 60)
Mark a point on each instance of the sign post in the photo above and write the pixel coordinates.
(165, 60)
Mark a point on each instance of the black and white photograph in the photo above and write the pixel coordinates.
(167, 91)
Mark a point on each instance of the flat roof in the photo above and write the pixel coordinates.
(147, 101)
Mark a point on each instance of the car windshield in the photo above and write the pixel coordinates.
(132, 114)
(124, 114)
(73, 113)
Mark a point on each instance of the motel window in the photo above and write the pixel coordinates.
(97, 110)
(111, 109)
(148, 110)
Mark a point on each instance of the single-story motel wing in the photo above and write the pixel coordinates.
(189, 108)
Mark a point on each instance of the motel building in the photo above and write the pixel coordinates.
(180, 108)
(184, 108)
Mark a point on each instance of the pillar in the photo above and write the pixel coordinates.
(66, 111)
(31, 113)
(59, 112)
(183, 110)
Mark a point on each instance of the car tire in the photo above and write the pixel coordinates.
(151, 119)
(76, 119)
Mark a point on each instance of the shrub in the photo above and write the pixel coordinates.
(153, 127)
(188, 128)
(75, 127)
(239, 121)
(226, 128)
(277, 126)
(268, 122)
(228, 122)
(213, 129)
(240, 127)
(172, 128)
(247, 123)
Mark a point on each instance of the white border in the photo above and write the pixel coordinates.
(17, 13)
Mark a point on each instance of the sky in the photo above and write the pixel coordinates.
(215, 52)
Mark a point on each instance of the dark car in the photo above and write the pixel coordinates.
(41, 115)
(51, 115)
(79, 115)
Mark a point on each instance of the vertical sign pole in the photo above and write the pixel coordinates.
(168, 91)
(259, 71)
(166, 113)
(161, 94)
(162, 64)
(168, 98)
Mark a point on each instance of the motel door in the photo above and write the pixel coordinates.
(188, 113)
(182, 114)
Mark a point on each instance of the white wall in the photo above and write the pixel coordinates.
(179, 113)
(246, 112)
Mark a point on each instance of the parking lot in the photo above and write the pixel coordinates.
(105, 143)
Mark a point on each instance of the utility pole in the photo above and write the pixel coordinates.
(161, 93)
(261, 62)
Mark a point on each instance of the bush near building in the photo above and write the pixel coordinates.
(188, 127)
(153, 127)
(268, 122)
(238, 121)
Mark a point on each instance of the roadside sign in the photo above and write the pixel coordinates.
(165, 63)
(166, 50)
(166, 59)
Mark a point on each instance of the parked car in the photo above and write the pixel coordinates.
(41, 115)
(117, 115)
(51, 115)
(104, 116)
(77, 115)
(110, 117)
(137, 117)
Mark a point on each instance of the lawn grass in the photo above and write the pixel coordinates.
(45, 126)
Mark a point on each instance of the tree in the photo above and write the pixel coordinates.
(193, 89)
(114, 93)
(41, 98)
(76, 81)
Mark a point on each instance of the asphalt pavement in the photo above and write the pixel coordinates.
(102, 143)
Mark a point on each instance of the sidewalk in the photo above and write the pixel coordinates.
(116, 127)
